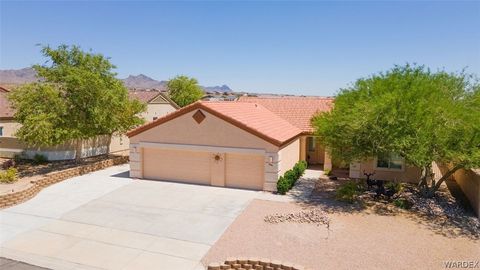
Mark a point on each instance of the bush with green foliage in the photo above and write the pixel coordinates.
(283, 185)
(402, 203)
(9, 175)
(327, 172)
(184, 90)
(79, 97)
(394, 186)
(348, 192)
(40, 159)
(288, 180)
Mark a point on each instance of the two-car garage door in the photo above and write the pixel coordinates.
(240, 170)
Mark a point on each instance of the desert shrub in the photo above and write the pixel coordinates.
(9, 175)
(283, 185)
(348, 192)
(8, 164)
(402, 203)
(291, 177)
(39, 159)
(297, 171)
(288, 180)
(302, 164)
(17, 158)
(397, 187)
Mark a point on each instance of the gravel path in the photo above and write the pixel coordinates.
(353, 241)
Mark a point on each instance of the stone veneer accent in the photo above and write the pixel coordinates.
(255, 264)
(17, 197)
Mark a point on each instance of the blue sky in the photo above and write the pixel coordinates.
(311, 48)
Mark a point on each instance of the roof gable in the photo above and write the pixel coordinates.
(152, 97)
(250, 117)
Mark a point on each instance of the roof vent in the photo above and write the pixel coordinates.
(198, 116)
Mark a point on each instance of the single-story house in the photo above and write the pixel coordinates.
(242, 144)
(158, 104)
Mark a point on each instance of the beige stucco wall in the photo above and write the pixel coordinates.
(409, 174)
(211, 131)
(469, 182)
(119, 143)
(289, 155)
(9, 127)
(157, 110)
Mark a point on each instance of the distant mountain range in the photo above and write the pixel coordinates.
(143, 82)
(27, 75)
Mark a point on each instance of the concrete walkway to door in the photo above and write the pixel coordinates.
(105, 220)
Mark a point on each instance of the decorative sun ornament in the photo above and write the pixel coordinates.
(217, 157)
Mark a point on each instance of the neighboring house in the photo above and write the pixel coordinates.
(8, 126)
(243, 144)
(158, 104)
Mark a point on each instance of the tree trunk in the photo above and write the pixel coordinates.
(426, 171)
(78, 150)
(109, 141)
(436, 186)
(429, 190)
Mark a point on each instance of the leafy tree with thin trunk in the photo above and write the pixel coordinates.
(77, 98)
(421, 115)
(184, 90)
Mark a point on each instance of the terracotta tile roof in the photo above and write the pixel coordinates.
(143, 96)
(147, 96)
(6, 112)
(296, 110)
(251, 117)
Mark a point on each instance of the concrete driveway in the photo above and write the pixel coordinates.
(105, 220)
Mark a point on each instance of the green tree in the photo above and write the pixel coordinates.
(78, 98)
(184, 90)
(421, 115)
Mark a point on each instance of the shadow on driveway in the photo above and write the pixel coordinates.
(7, 264)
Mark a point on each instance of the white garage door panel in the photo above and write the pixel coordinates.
(244, 171)
(177, 165)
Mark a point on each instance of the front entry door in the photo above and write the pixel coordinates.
(315, 152)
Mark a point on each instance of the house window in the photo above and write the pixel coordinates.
(1, 131)
(311, 144)
(390, 161)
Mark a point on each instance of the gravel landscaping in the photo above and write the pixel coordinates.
(319, 232)
(443, 213)
(357, 240)
(315, 216)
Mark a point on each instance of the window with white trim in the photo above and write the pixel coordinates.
(390, 161)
